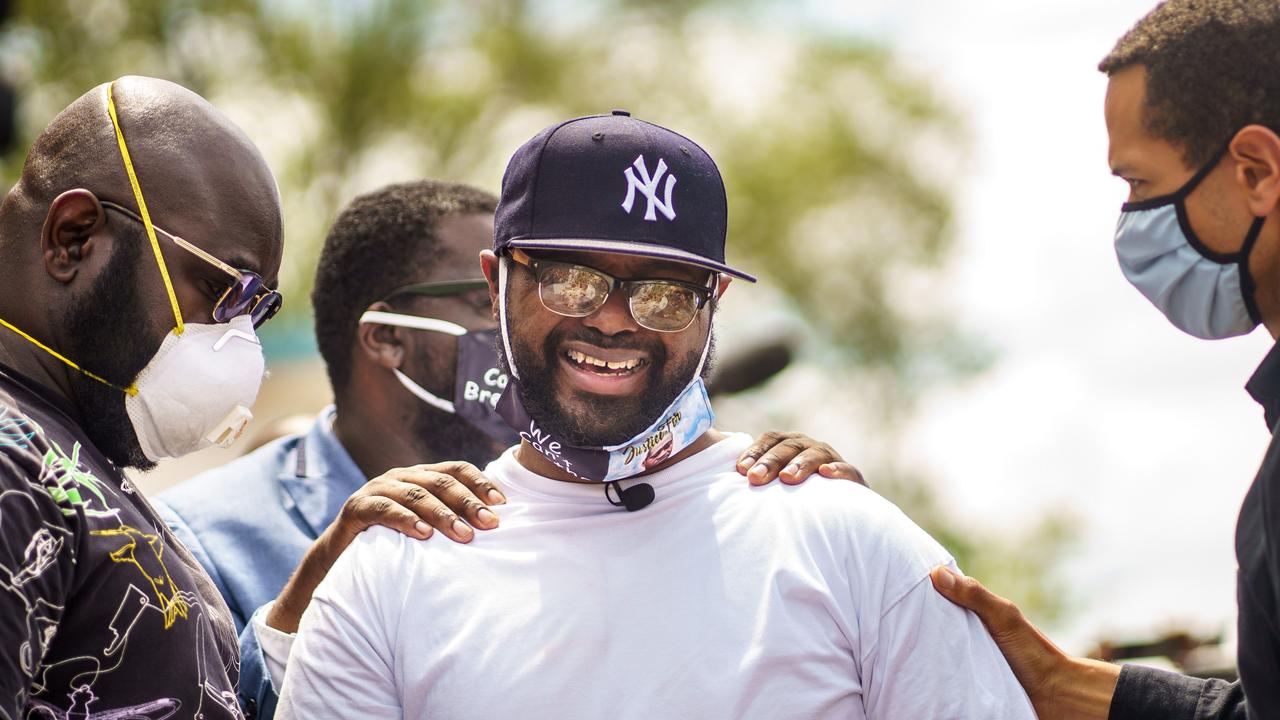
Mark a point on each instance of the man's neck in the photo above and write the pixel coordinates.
(537, 463)
(379, 441)
(35, 365)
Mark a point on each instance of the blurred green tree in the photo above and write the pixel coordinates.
(837, 160)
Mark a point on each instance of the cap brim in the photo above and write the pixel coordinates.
(625, 247)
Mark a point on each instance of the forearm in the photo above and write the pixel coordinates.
(1084, 691)
(286, 611)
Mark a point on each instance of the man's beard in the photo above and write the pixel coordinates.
(105, 325)
(606, 420)
(449, 437)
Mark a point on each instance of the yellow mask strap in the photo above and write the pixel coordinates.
(131, 390)
(142, 210)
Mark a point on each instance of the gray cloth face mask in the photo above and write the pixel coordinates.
(1202, 292)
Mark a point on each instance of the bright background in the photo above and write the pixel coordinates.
(1095, 404)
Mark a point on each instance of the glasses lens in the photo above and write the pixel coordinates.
(663, 307)
(266, 307)
(572, 289)
(238, 298)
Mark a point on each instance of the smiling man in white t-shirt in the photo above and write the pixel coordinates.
(634, 575)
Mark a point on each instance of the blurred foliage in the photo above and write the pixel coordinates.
(837, 160)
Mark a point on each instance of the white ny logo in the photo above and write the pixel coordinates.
(649, 188)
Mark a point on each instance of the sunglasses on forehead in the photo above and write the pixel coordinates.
(247, 293)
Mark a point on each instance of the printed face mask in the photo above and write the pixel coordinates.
(684, 421)
(1203, 293)
(479, 380)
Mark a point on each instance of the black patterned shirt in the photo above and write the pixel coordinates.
(103, 613)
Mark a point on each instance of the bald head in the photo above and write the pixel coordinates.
(84, 278)
(186, 153)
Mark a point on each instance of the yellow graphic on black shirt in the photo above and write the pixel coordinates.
(151, 565)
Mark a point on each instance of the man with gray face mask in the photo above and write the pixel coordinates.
(138, 252)
(1193, 115)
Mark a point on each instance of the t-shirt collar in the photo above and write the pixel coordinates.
(42, 393)
(700, 466)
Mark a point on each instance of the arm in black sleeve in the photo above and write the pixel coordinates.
(1149, 694)
(37, 558)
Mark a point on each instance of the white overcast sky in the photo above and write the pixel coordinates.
(1096, 404)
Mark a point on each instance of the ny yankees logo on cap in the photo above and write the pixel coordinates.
(648, 187)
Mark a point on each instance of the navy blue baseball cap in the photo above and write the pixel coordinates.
(612, 183)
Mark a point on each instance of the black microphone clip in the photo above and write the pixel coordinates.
(633, 498)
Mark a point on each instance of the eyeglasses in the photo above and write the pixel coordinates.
(440, 288)
(247, 293)
(578, 291)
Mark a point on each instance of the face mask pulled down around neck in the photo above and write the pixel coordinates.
(197, 389)
(1203, 293)
(685, 420)
(479, 379)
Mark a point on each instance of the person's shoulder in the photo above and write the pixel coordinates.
(377, 539)
(376, 557)
(34, 474)
(19, 433)
(837, 505)
(825, 496)
(846, 514)
(380, 556)
(26, 450)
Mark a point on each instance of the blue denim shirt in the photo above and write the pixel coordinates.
(249, 523)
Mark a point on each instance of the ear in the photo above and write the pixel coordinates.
(722, 284)
(489, 266)
(1256, 151)
(381, 344)
(66, 238)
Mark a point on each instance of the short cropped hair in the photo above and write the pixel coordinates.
(381, 241)
(1213, 66)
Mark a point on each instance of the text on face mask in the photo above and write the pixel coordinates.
(543, 443)
(494, 378)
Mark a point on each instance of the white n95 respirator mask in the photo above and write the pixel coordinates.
(197, 389)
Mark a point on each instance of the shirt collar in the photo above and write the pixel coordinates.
(41, 392)
(1264, 386)
(319, 475)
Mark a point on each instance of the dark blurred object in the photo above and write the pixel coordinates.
(8, 117)
(1197, 656)
(752, 367)
(8, 98)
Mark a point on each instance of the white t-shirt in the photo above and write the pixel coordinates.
(719, 600)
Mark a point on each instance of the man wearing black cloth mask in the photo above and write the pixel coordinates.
(404, 325)
(137, 255)
(706, 597)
